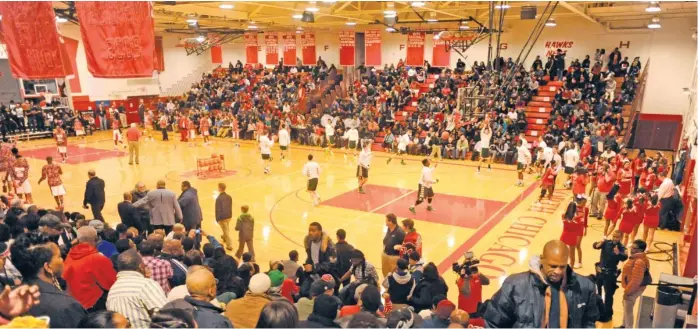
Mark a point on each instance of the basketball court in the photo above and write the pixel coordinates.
(484, 213)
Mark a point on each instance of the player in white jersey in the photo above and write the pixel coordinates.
(425, 183)
(311, 170)
(265, 144)
(485, 156)
(523, 160)
(402, 144)
(571, 157)
(284, 141)
(352, 136)
(365, 158)
(329, 134)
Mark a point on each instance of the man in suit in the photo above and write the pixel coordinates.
(224, 213)
(189, 203)
(129, 214)
(164, 208)
(94, 195)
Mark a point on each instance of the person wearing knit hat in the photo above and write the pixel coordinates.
(276, 277)
(404, 318)
(244, 312)
(441, 317)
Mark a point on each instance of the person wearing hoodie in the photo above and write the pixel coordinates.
(245, 227)
(556, 297)
(244, 312)
(416, 267)
(399, 285)
(189, 203)
(429, 285)
(323, 315)
(88, 274)
(634, 279)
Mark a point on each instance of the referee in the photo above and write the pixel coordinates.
(365, 157)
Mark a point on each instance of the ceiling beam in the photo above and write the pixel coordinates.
(318, 14)
(344, 5)
(579, 12)
(255, 11)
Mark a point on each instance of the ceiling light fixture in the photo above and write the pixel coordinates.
(300, 28)
(551, 22)
(313, 7)
(200, 39)
(390, 29)
(226, 6)
(417, 4)
(297, 16)
(61, 20)
(329, 1)
(252, 25)
(654, 24)
(502, 6)
(351, 23)
(432, 17)
(653, 7)
(464, 26)
(191, 21)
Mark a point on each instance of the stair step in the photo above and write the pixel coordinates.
(542, 98)
(548, 88)
(539, 104)
(537, 121)
(538, 109)
(537, 127)
(537, 115)
(535, 133)
(550, 94)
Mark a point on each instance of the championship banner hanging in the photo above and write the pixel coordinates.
(308, 48)
(415, 49)
(34, 48)
(119, 38)
(347, 44)
(373, 47)
(288, 43)
(271, 45)
(440, 56)
(251, 48)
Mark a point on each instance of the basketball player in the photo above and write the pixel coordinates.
(5, 160)
(191, 127)
(424, 190)
(571, 160)
(182, 126)
(523, 160)
(352, 135)
(311, 170)
(61, 138)
(204, 126)
(116, 133)
(19, 170)
(365, 157)
(265, 144)
(485, 156)
(284, 141)
(53, 173)
(329, 134)
(402, 144)
(148, 124)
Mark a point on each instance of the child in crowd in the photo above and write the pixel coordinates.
(245, 227)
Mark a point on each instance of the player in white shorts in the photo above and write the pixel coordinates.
(20, 176)
(402, 144)
(61, 138)
(311, 170)
(329, 134)
(116, 134)
(523, 160)
(284, 140)
(485, 154)
(425, 190)
(53, 173)
(265, 144)
(365, 157)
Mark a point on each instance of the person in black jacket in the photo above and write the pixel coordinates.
(319, 248)
(94, 195)
(201, 285)
(224, 214)
(399, 285)
(129, 214)
(344, 250)
(430, 285)
(323, 315)
(549, 276)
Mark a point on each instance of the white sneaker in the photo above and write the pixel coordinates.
(578, 265)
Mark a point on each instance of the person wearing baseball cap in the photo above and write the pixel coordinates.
(57, 231)
(324, 286)
(441, 317)
(404, 318)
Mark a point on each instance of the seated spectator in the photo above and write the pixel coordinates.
(244, 312)
(201, 301)
(278, 314)
(104, 319)
(323, 315)
(441, 317)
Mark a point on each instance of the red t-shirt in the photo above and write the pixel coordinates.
(133, 134)
(52, 173)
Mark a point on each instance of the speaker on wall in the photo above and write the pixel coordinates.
(308, 17)
(528, 12)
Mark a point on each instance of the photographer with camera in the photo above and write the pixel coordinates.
(612, 253)
(469, 283)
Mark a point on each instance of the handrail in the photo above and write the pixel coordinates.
(636, 106)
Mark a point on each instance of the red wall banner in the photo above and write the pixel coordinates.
(415, 49)
(216, 55)
(71, 47)
(119, 38)
(373, 47)
(288, 43)
(347, 45)
(34, 47)
(440, 56)
(251, 48)
(308, 48)
(271, 45)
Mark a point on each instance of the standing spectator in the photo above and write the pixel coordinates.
(160, 269)
(94, 195)
(245, 227)
(101, 113)
(139, 192)
(634, 279)
(393, 238)
(224, 214)
(344, 252)
(88, 274)
(164, 208)
(412, 241)
(132, 136)
(669, 205)
(129, 214)
(141, 111)
(470, 289)
(189, 204)
(319, 248)
(40, 263)
(134, 294)
(244, 312)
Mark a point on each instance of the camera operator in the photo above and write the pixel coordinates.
(469, 284)
(612, 253)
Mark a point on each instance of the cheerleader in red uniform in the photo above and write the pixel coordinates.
(580, 179)
(629, 219)
(614, 203)
(573, 227)
(640, 201)
(548, 181)
(639, 168)
(625, 179)
(651, 220)
(650, 178)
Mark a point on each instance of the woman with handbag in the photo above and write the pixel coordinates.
(634, 279)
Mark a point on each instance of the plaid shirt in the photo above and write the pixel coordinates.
(161, 271)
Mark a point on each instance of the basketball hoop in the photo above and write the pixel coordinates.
(459, 40)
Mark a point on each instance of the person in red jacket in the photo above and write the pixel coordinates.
(605, 178)
(182, 125)
(470, 289)
(412, 241)
(586, 148)
(88, 274)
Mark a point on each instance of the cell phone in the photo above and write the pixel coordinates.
(198, 231)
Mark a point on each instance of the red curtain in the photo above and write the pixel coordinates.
(71, 47)
(415, 49)
(159, 55)
(288, 42)
(251, 48)
(216, 55)
(373, 47)
(308, 48)
(271, 43)
(440, 56)
(119, 38)
(34, 47)
(347, 45)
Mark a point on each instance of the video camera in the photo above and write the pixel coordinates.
(466, 267)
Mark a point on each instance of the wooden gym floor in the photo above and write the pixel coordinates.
(482, 213)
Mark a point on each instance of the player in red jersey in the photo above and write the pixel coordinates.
(182, 126)
(204, 128)
(548, 181)
(5, 159)
(19, 169)
(191, 127)
(53, 173)
(61, 138)
(116, 133)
